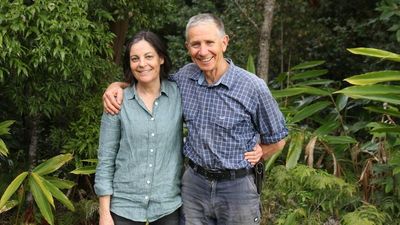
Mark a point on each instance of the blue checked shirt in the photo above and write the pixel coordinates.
(228, 118)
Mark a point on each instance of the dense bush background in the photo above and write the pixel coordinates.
(341, 164)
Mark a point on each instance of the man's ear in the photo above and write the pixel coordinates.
(187, 45)
(225, 41)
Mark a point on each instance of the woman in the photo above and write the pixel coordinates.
(140, 155)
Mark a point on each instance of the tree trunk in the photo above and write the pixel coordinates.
(120, 29)
(265, 36)
(32, 161)
(33, 145)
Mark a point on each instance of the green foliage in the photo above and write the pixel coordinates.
(366, 88)
(42, 188)
(390, 14)
(4, 129)
(365, 215)
(52, 50)
(88, 169)
(321, 31)
(86, 212)
(147, 14)
(295, 149)
(251, 67)
(306, 196)
(83, 133)
(320, 125)
(375, 53)
(315, 118)
(55, 56)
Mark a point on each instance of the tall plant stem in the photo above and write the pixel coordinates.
(340, 116)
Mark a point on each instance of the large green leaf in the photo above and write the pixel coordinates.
(299, 90)
(394, 129)
(287, 92)
(12, 187)
(86, 170)
(52, 164)
(394, 99)
(295, 149)
(307, 65)
(271, 160)
(251, 65)
(341, 101)
(5, 126)
(291, 219)
(3, 148)
(46, 193)
(308, 74)
(374, 77)
(373, 52)
(60, 183)
(314, 82)
(9, 205)
(41, 201)
(376, 89)
(315, 91)
(309, 110)
(58, 195)
(334, 140)
(390, 112)
(327, 127)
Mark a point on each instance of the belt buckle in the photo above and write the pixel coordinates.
(214, 175)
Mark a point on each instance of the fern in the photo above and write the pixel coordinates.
(306, 194)
(85, 213)
(365, 215)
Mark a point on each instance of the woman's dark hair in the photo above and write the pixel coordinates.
(157, 44)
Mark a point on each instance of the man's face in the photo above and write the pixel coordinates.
(206, 46)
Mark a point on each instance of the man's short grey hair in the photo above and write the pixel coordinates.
(204, 18)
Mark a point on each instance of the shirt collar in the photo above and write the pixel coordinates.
(131, 90)
(226, 79)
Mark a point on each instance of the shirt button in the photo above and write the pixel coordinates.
(146, 197)
(148, 182)
(151, 150)
(156, 103)
(152, 134)
(150, 165)
(152, 118)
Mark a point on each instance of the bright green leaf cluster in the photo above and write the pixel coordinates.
(44, 189)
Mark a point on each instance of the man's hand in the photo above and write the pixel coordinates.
(254, 156)
(112, 97)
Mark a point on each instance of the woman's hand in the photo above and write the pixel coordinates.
(104, 211)
(106, 219)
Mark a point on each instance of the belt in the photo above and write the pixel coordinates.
(220, 174)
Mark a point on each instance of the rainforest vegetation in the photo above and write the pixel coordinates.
(332, 65)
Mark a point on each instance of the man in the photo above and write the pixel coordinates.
(227, 111)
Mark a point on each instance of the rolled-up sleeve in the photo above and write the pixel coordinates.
(110, 133)
(269, 119)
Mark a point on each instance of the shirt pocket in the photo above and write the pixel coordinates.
(229, 121)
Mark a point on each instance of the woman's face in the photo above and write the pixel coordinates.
(145, 63)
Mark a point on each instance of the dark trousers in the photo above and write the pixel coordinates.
(170, 219)
(225, 202)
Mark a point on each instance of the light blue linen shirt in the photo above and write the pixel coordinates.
(140, 156)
